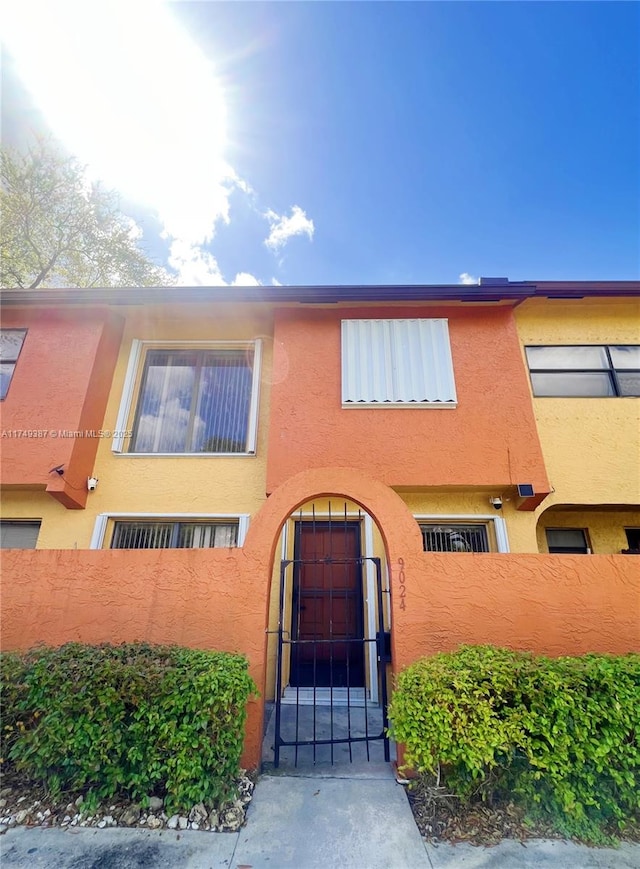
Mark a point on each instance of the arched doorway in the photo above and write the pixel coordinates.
(330, 628)
(400, 543)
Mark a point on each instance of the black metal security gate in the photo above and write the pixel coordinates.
(325, 651)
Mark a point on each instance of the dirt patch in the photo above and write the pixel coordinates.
(442, 817)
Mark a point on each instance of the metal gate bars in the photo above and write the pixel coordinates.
(332, 648)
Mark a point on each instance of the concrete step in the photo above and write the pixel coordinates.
(325, 697)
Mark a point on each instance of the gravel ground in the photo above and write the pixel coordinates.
(26, 803)
(439, 816)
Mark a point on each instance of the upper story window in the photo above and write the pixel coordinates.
(590, 371)
(191, 399)
(397, 363)
(11, 341)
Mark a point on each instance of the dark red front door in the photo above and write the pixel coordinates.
(327, 608)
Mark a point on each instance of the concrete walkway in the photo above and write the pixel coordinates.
(324, 821)
(321, 822)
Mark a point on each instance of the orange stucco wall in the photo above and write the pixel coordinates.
(550, 604)
(219, 598)
(489, 439)
(208, 599)
(61, 383)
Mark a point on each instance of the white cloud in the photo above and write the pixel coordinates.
(194, 266)
(244, 279)
(283, 228)
(166, 429)
(466, 278)
(275, 282)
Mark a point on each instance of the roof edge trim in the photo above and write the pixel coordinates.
(515, 290)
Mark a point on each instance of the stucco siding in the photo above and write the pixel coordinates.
(217, 599)
(489, 438)
(154, 484)
(591, 446)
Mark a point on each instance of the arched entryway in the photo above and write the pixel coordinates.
(330, 623)
(330, 628)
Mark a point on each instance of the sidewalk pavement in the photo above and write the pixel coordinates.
(314, 822)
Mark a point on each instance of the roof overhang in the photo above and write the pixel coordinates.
(514, 291)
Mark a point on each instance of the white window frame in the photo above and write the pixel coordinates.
(347, 354)
(499, 524)
(102, 522)
(130, 395)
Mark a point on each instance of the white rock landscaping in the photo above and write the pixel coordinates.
(18, 809)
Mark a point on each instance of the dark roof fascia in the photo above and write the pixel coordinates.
(306, 294)
(515, 291)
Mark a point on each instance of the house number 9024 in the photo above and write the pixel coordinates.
(402, 580)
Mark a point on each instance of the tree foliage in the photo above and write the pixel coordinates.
(59, 229)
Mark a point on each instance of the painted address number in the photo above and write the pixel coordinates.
(402, 580)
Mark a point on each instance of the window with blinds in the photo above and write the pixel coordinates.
(397, 363)
(19, 535)
(454, 537)
(194, 401)
(174, 535)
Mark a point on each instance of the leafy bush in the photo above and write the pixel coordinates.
(134, 718)
(560, 735)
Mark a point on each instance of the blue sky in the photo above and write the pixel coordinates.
(406, 143)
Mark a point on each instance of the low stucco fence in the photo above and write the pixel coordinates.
(217, 599)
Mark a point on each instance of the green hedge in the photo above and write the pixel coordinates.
(560, 735)
(135, 718)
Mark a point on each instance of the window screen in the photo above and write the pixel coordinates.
(194, 402)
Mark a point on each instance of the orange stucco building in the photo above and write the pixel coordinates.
(331, 480)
